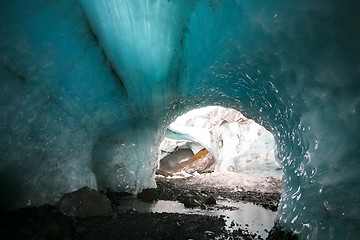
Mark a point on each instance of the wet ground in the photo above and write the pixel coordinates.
(212, 212)
(267, 194)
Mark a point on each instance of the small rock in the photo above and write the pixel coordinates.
(148, 195)
(85, 202)
(209, 233)
(197, 199)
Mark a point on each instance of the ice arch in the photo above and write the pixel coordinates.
(237, 144)
(87, 88)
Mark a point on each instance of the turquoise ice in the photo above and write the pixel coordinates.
(88, 88)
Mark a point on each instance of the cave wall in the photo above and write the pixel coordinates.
(88, 88)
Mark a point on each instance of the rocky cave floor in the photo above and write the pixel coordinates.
(46, 222)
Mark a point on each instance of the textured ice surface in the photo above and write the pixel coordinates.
(87, 90)
(237, 143)
(169, 145)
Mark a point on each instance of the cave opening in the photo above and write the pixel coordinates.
(217, 139)
(216, 153)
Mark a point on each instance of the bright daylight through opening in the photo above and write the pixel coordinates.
(217, 139)
(215, 154)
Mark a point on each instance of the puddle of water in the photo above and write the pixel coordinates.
(255, 219)
(247, 216)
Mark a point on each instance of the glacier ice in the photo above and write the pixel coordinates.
(87, 89)
(237, 143)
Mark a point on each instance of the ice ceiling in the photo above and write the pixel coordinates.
(88, 87)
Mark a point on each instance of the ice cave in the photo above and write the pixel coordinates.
(88, 88)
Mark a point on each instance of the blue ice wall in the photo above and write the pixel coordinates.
(88, 88)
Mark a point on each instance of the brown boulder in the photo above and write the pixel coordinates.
(202, 162)
(85, 202)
